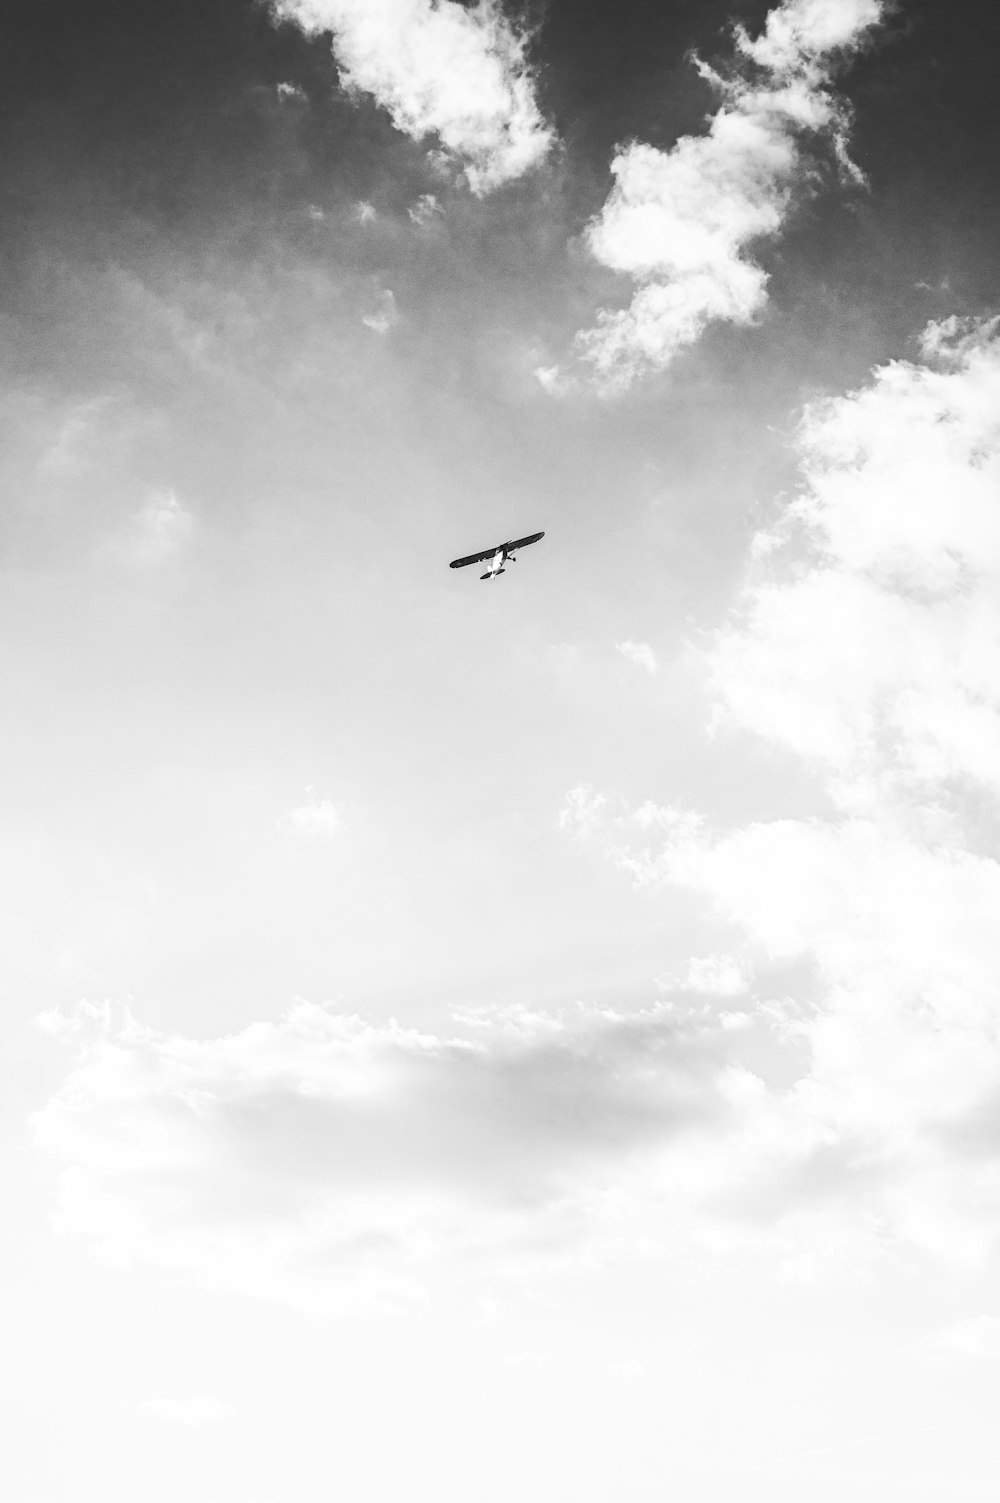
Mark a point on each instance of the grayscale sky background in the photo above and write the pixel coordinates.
(535, 1039)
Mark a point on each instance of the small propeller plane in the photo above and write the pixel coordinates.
(498, 556)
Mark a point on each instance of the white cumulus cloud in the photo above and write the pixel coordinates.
(868, 643)
(880, 662)
(458, 72)
(681, 222)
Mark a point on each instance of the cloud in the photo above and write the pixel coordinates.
(439, 68)
(583, 810)
(552, 380)
(338, 1165)
(867, 642)
(716, 975)
(680, 222)
(384, 316)
(158, 530)
(76, 445)
(425, 209)
(639, 653)
(879, 662)
(341, 1165)
(315, 821)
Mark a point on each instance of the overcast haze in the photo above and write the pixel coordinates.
(530, 1039)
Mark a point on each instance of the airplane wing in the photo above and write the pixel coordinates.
(523, 542)
(478, 558)
(473, 558)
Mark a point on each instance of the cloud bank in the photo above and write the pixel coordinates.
(339, 1166)
(441, 69)
(680, 222)
(868, 643)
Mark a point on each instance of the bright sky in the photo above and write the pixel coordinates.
(530, 1039)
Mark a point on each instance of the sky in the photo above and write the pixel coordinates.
(535, 1038)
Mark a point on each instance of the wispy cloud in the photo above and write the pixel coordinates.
(681, 222)
(442, 68)
(160, 528)
(73, 447)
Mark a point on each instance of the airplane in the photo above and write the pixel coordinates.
(498, 556)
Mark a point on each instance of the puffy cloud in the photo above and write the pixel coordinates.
(639, 653)
(583, 810)
(384, 316)
(552, 380)
(679, 222)
(439, 68)
(867, 643)
(425, 209)
(716, 975)
(799, 33)
(318, 819)
(880, 661)
(337, 1165)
